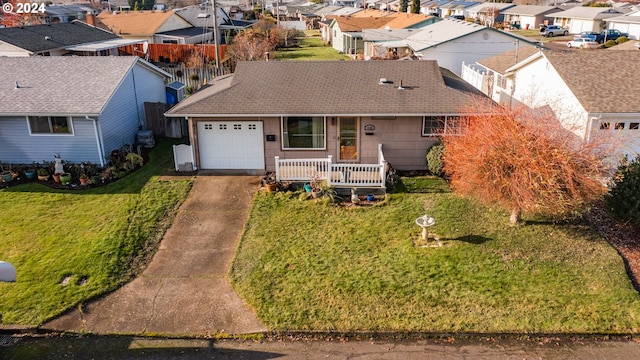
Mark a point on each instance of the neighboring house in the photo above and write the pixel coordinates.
(143, 25)
(588, 103)
(192, 35)
(456, 8)
(386, 43)
(81, 107)
(488, 13)
(65, 13)
(346, 32)
(529, 16)
(433, 7)
(583, 18)
(454, 42)
(629, 24)
(202, 16)
(402, 105)
(49, 39)
(489, 75)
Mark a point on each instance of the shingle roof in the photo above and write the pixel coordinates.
(60, 84)
(530, 10)
(135, 22)
(349, 24)
(603, 81)
(329, 87)
(34, 38)
(501, 62)
(588, 13)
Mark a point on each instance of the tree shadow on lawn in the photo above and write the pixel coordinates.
(471, 239)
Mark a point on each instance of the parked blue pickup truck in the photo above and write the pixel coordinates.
(610, 34)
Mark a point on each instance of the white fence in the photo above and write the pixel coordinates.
(339, 174)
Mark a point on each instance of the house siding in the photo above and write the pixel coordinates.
(120, 120)
(19, 147)
(404, 147)
(469, 49)
(531, 79)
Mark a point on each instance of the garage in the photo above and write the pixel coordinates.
(231, 145)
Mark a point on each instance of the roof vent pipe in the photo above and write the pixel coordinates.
(400, 87)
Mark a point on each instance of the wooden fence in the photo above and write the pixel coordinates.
(161, 125)
(175, 53)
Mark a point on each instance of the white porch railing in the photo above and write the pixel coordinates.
(344, 175)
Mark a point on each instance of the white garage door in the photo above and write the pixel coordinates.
(231, 145)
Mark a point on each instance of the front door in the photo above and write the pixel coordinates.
(348, 139)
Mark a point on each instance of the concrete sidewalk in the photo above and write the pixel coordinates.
(185, 289)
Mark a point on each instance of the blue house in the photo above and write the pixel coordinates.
(79, 107)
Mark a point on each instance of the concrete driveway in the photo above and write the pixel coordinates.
(184, 290)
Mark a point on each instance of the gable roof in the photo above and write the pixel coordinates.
(588, 13)
(350, 24)
(530, 10)
(76, 85)
(137, 22)
(501, 62)
(599, 89)
(329, 88)
(38, 38)
(405, 20)
(448, 30)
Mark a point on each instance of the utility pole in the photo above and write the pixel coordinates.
(216, 42)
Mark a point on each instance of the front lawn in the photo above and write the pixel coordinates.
(70, 246)
(306, 266)
(309, 49)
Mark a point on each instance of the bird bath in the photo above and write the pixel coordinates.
(7, 272)
(425, 221)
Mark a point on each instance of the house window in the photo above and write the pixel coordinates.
(303, 132)
(633, 126)
(501, 82)
(49, 125)
(442, 125)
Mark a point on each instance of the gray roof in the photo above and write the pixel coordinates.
(597, 87)
(329, 88)
(450, 29)
(37, 38)
(629, 19)
(501, 62)
(530, 10)
(61, 85)
(588, 13)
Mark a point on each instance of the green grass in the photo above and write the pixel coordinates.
(305, 266)
(103, 234)
(310, 48)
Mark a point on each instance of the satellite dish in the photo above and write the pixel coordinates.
(145, 47)
(7, 272)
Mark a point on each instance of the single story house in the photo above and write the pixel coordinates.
(87, 107)
(142, 25)
(49, 39)
(454, 42)
(583, 18)
(629, 23)
(356, 112)
(488, 13)
(529, 16)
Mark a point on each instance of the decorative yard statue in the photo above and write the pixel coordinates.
(58, 164)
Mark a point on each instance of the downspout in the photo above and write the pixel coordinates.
(98, 135)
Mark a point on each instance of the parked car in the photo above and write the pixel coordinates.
(554, 30)
(610, 34)
(583, 43)
(591, 35)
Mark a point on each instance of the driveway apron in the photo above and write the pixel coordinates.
(185, 289)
